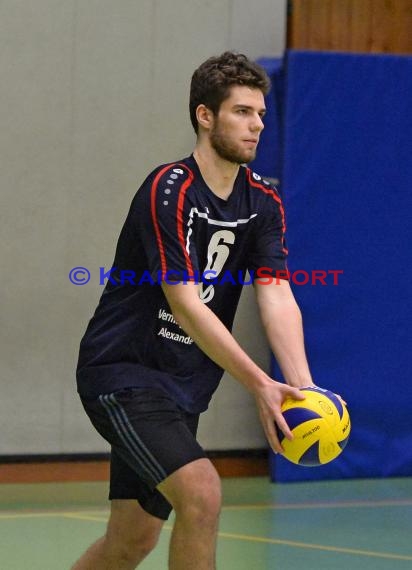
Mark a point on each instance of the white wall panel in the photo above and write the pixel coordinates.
(258, 28)
(35, 55)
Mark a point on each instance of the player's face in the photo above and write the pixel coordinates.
(236, 129)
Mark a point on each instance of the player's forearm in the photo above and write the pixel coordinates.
(215, 340)
(284, 330)
(282, 320)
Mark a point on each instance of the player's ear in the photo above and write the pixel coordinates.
(204, 116)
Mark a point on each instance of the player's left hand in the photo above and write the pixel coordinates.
(337, 395)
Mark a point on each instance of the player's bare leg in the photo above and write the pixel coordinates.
(131, 534)
(194, 491)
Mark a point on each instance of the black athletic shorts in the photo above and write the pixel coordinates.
(151, 437)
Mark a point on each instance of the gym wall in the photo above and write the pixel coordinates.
(93, 95)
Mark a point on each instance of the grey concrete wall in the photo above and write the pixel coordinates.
(93, 95)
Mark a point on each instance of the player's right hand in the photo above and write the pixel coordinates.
(269, 400)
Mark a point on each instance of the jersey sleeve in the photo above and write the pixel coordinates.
(164, 223)
(268, 253)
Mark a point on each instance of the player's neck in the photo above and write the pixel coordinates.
(219, 174)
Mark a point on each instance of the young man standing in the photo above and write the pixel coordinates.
(160, 339)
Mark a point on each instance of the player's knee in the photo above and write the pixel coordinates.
(129, 549)
(203, 511)
(146, 542)
(204, 501)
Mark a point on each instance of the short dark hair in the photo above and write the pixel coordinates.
(212, 80)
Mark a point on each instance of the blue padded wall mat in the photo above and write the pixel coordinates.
(268, 161)
(347, 189)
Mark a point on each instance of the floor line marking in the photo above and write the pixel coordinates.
(45, 514)
(233, 536)
(336, 505)
(295, 544)
(7, 516)
(83, 517)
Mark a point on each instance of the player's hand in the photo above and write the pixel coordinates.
(269, 400)
(339, 397)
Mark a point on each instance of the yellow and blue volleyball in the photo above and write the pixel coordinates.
(320, 425)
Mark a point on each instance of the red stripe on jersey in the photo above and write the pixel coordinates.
(272, 193)
(154, 218)
(180, 231)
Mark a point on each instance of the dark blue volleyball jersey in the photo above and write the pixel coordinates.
(178, 230)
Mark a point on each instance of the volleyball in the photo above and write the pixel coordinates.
(320, 425)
